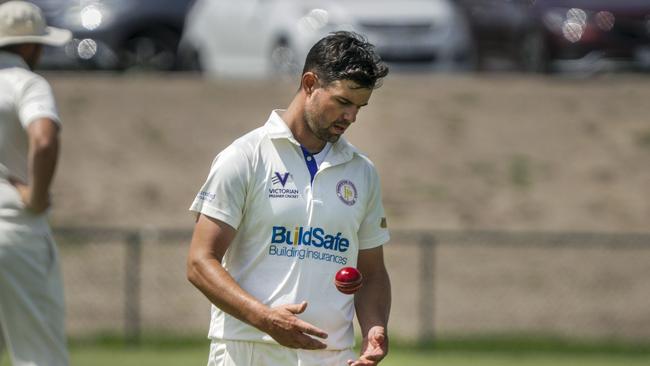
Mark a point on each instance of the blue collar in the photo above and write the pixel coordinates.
(311, 162)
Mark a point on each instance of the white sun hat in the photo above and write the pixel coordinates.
(23, 22)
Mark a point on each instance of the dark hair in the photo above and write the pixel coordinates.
(346, 56)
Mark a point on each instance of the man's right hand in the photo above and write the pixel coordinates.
(282, 324)
(26, 196)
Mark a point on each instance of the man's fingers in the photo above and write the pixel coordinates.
(303, 341)
(361, 362)
(307, 328)
(297, 308)
(374, 357)
(378, 339)
(312, 343)
(16, 182)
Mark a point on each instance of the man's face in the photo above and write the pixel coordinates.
(32, 54)
(330, 110)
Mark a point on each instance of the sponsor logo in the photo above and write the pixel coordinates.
(307, 243)
(303, 254)
(206, 196)
(347, 192)
(311, 236)
(278, 190)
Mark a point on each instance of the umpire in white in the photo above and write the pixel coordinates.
(31, 291)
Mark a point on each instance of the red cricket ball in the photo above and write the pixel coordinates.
(348, 280)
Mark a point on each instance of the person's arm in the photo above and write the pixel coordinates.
(372, 304)
(210, 240)
(43, 135)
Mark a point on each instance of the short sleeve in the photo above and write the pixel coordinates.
(223, 195)
(36, 101)
(373, 231)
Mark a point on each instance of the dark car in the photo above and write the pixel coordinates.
(589, 31)
(546, 35)
(499, 28)
(116, 34)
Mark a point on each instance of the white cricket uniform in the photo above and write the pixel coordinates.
(293, 235)
(31, 290)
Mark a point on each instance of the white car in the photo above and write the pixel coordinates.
(259, 38)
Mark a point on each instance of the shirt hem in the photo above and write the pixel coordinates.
(374, 242)
(271, 342)
(33, 118)
(216, 213)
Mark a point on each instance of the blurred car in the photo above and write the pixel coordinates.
(116, 34)
(590, 31)
(498, 28)
(548, 35)
(258, 38)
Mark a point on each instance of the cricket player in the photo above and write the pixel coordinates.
(284, 208)
(31, 292)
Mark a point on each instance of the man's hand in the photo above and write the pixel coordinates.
(373, 349)
(25, 193)
(286, 328)
(210, 241)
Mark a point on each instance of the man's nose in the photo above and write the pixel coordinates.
(350, 115)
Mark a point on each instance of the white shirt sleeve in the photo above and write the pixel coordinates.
(223, 195)
(35, 101)
(373, 231)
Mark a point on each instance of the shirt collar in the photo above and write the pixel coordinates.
(9, 60)
(277, 128)
(341, 151)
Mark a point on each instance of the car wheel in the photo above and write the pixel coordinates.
(189, 58)
(284, 60)
(151, 50)
(534, 53)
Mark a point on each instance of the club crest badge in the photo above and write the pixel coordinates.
(347, 192)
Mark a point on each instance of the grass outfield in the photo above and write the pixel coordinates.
(459, 353)
(98, 356)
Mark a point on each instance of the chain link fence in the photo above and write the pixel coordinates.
(578, 285)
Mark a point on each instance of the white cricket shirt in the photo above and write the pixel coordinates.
(24, 98)
(292, 235)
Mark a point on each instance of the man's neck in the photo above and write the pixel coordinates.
(11, 59)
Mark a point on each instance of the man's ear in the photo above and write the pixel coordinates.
(309, 82)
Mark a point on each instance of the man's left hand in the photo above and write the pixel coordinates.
(373, 349)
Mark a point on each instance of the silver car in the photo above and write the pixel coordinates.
(253, 38)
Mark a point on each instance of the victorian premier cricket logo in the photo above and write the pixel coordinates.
(279, 188)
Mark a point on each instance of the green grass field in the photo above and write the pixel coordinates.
(456, 353)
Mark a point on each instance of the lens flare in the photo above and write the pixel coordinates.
(605, 20)
(91, 17)
(87, 49)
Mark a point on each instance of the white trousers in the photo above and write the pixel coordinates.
(241, 353)
(31, 299)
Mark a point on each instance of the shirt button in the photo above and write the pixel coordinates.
(309, 158)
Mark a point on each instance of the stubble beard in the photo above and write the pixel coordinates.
(322, 134)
